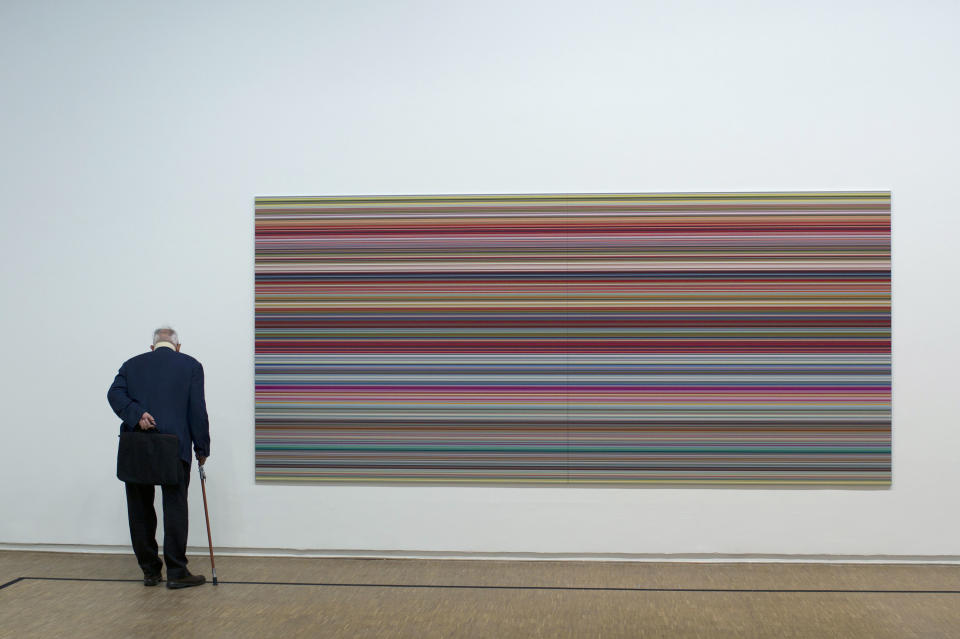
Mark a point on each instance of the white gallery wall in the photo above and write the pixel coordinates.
(134, 137)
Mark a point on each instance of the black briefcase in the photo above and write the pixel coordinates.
(149, 457)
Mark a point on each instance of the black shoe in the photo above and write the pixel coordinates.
(186, 581)
(152, 580)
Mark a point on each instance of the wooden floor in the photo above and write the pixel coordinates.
(84, 595)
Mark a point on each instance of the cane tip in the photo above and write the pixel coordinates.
(215, 582)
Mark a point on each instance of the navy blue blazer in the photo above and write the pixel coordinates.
(169, 386)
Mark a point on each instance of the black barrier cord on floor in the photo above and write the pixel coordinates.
(561, 588)
(10, 583)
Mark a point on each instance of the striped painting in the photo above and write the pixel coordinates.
(616, 339)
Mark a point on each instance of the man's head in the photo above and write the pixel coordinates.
(166, 334)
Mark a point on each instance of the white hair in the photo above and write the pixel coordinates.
(165, 334)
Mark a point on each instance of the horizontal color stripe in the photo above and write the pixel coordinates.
(610, 339)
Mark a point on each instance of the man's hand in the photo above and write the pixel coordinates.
(200, 460)
(147, 422)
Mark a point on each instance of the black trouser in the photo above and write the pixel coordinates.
(143, 526)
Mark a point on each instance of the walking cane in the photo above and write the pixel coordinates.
(206, 514)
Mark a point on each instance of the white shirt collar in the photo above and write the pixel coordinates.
(169, 345)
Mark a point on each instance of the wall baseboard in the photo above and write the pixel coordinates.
(511, 556)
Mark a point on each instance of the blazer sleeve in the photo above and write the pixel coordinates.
(122, 404)
(197, 414)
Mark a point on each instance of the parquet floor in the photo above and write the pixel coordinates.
(93, 595)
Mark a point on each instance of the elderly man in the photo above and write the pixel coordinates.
(163, 389)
